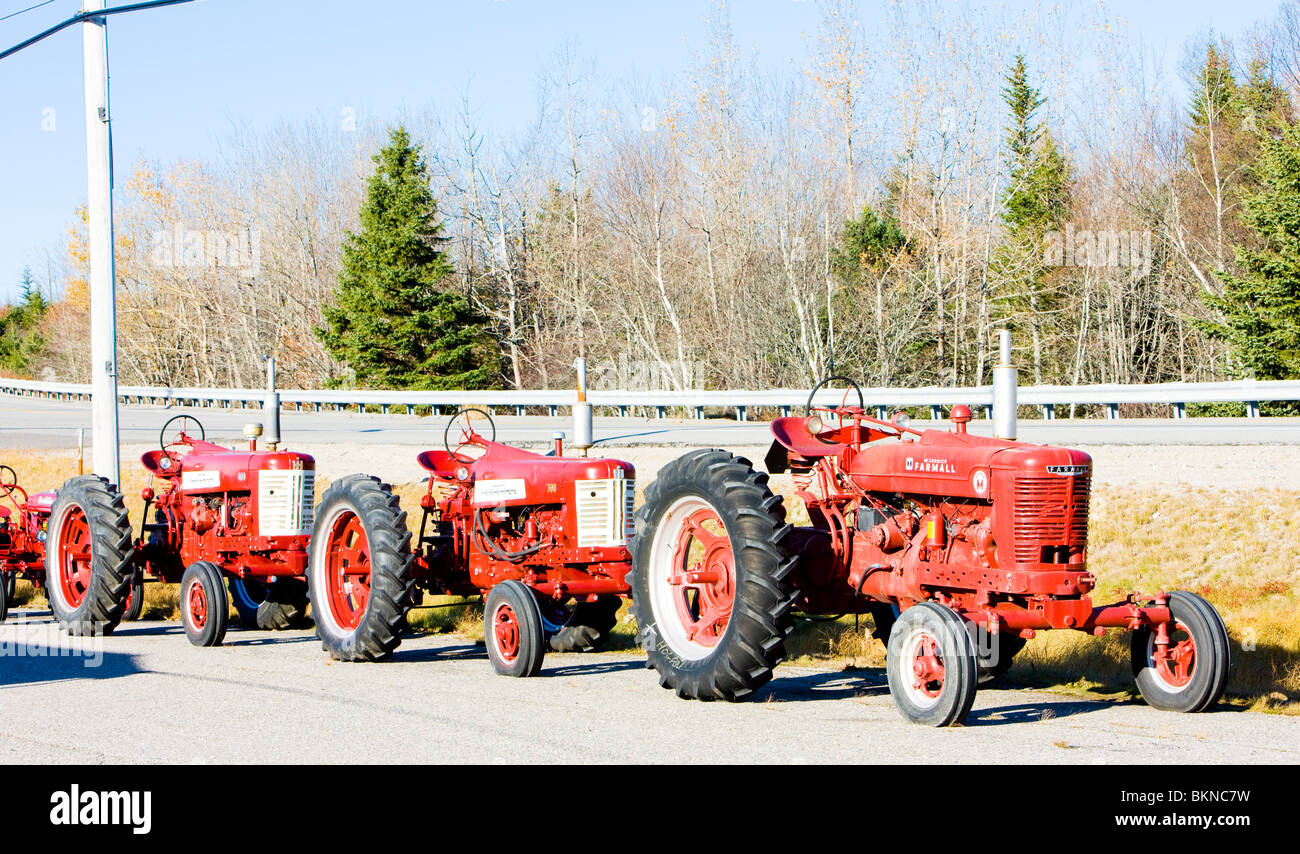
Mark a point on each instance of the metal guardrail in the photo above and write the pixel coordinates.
(1048, 398)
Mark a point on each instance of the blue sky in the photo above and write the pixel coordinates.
(183, 76)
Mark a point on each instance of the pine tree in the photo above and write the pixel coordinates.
(1035, 202)
(1260, 306)
(21, 341)
(394, 323)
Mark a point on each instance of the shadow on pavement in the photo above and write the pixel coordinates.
(440, 653)
(592, 669)
(29, 669)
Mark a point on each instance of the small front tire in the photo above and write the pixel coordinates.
(931, 665)
(204, 607)
(1191, 675)
(512, 630)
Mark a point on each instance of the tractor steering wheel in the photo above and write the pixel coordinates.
(851, 384)
(175, 439)
(8, 479)
(469, 420)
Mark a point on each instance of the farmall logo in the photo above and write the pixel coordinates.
(1068, 471)
(928, 465)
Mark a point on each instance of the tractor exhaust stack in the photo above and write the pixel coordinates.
(271, 409)
(582, 411)
(1004, 390)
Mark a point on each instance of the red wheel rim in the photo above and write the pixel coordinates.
(75, 557)
(704, 577)
(1176, 661)
(927, 667)
(505, 629)
(347, 570)
(196, 603)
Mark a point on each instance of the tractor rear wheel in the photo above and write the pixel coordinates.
(512, 630)
(1191, 674)
(359, 569)
(284, 606)
(931, 665)
(586, 626)
(995, 662)
(88, 556)
(205, 609)
(710, 577)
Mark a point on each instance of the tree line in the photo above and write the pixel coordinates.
(877, 212)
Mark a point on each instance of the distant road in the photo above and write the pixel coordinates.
(269, 698)
(37, 423)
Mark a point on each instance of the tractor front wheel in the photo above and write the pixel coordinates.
(1189, 673)
(512, 630)
(134, 598)
(585, 627)
(359, 569)
(931, 665)
(88, 556)
(710, 577)
(205, 609)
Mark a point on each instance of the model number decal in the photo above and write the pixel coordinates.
(492, 491)
(1068, 471)
(200, 479)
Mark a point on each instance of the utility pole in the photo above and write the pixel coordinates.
(105, 461)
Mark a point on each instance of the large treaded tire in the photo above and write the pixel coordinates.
(103, 601)
(1212, 661)
(588, 626)
(246, 595)
(284, 607)
(388, 546)
(740, 659)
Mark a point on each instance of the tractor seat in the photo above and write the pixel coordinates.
(440, 463)
(791, 432)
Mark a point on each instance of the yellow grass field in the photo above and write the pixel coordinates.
(1238, 548)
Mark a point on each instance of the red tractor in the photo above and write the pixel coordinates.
(221, 514)
(544, 535)
(960, 546)
(22, 536)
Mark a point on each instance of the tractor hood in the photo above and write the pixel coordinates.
(212, 468)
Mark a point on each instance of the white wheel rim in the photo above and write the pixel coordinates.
(1165, 685)
(912, 643)
(662, 566)
(54, 568)
(319, 580)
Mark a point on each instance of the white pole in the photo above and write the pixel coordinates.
(582, 411)
(1004, 390)
(103, 287)
(271, 409)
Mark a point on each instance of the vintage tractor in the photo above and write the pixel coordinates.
(22, 536)
(221, 514)
(960, 546)
(546, 536)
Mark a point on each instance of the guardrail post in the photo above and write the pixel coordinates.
(1112, 411)
(1049, 411)
(1252, 409)
(660, 411)
(699, 413)
(740, 413)
(1180, 410)
(785, 411)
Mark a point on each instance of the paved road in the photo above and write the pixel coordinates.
(37, 423)
(275, 698)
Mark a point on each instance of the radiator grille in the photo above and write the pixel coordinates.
(1050, 510)
(604, 511)
(284, 502)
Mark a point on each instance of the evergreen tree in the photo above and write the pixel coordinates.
(21, 341)
(1260, 306)
(393, 322)
(1035, 202)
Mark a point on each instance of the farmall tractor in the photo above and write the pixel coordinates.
(960, 546)
(221, 514)
(22, 536)
(545, 536)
